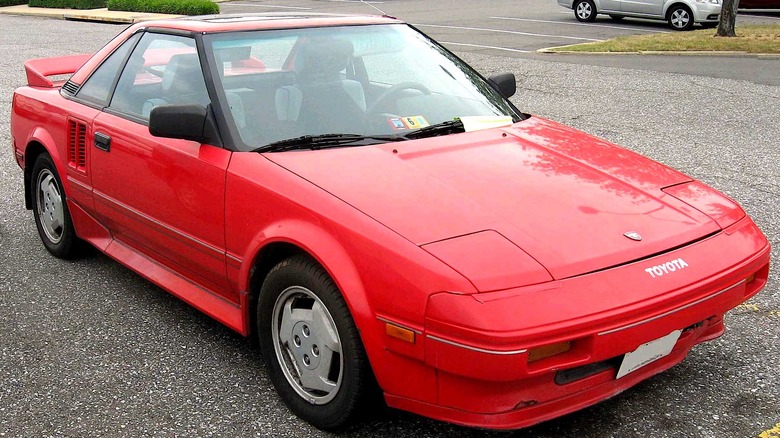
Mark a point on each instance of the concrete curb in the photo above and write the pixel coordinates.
(101, 15)
(730, 54)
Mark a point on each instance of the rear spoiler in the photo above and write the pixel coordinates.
(39, 69)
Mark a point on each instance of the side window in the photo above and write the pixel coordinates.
(162, 70)
(97, 88)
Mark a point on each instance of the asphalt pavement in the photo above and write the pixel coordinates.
(88, 348)
(519, 28)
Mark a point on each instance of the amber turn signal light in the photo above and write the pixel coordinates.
(545, 351)
(401, 333)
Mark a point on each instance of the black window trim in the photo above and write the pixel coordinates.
(207, 77)
(101, 105)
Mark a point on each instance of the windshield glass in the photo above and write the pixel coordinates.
(376, 80)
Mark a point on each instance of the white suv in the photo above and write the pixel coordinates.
(681, 14)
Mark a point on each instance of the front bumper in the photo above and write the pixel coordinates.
(479, 344)
(706, 12)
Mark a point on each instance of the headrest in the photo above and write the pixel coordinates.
(324, 57)
(182, 67)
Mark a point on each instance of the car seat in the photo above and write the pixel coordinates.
(322, 100)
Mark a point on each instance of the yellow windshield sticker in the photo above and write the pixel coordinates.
(414, 122)
(408, 122)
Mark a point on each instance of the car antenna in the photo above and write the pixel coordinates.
(380, 11)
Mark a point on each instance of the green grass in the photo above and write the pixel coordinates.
(750, 39)
(177, 7)
(68, 4)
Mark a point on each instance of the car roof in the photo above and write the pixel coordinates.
(264, 21)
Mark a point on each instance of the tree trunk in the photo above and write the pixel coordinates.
(728, 17)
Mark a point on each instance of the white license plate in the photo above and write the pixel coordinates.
(648, 353)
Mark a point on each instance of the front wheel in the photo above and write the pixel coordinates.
(52, 217)
(680, 18)
(585, 10)
(310, 344)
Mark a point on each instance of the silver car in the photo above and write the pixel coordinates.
(681, 14)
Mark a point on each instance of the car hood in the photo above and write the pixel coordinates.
(563, 197)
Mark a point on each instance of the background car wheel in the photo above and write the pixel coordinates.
(310, 344)
(616, 17)
(585, 10)
(52, 217)
(680, 17)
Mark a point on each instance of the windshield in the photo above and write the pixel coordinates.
(374, 81)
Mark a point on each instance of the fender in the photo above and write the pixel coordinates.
(328, 252)
(41, 136)
(668, 4)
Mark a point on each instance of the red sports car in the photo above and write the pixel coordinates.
(379, 215)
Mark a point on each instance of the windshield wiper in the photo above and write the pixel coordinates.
(314, 142)
(444, 128)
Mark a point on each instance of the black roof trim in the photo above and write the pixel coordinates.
(265, 16)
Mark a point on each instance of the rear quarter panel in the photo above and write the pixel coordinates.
(41, 115)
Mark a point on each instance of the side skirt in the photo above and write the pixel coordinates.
(206, 301)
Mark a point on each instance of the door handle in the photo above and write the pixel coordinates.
(102, 141)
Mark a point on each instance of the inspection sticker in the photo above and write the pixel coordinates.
(396, 123)
(648, 353)
(415, 122)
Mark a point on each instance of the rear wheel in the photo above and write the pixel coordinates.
(310, 344)
(585, 10)
(616, 17)
(52, 217)
(680, 17)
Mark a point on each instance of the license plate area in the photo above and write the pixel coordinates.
(648, 353)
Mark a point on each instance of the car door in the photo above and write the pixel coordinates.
(643, 7)
(162, 197)
(608, 6)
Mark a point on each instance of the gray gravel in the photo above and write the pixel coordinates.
(88, 348)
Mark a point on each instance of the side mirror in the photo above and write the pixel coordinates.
(185, 122)
(504, 83)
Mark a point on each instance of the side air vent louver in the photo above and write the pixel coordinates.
(70, 88)
(77, 145)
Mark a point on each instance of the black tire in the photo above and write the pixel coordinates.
(680, 17)
(585, 10)
(287, 337)
(617, 17)
(50, 209)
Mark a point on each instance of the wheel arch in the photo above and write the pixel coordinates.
(671, 6)
(281, 241)
(39, 141)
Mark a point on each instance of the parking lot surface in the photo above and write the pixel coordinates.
(519, 28)
(88, 348)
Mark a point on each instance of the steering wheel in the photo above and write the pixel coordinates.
(394, 91)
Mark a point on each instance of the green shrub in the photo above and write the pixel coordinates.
(12, 2)
(68, 4)
(178, 7)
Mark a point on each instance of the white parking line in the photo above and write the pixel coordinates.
(507, 31)
(580, 24)
(486, 47)
(267, 6)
